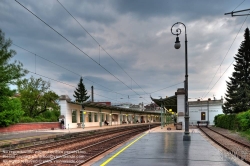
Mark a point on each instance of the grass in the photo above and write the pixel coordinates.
(245, 134)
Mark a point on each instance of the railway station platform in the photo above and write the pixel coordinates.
(159, 147)
(26, 136)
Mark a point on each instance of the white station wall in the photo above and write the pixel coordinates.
(195, 113)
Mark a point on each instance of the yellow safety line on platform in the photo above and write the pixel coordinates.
(111, 158)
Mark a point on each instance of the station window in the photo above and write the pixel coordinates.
(90, 117)
(203, 115)
(74, 116)
(95, 116)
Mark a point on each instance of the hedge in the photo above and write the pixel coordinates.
(240, 121)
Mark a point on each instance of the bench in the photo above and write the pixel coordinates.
(202, 122)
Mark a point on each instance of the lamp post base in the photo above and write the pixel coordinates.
(186, 137)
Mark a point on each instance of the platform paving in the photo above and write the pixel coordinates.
(163, 147)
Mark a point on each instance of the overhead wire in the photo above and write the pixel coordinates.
(51, 78)
(76, 47)
(227, 51)
(223, 60)
(36, 55)
(166, 87)
(219, 78)
(65, 83)
(64, 68)
(83, 52)
(163, 88)
(99, 44)
(239, 4)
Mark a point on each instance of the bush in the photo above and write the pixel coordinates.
(243, 120)
(50, 115)
(11, 111)
(47, 116)
(226, 121)
(240, 121)
(216, 119)
(26, 119)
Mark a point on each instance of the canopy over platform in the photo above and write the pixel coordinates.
(168, 102)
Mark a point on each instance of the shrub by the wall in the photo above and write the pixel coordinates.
(26, 119)
(216, 119)
(226, 121)
(243, 120)
(240, 121)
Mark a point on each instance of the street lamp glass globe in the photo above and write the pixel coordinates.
(177, 45)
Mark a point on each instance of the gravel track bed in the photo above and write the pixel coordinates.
(230, 134)
(240, 151)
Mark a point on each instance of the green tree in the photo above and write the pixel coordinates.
(36, 96)
(10, 109)
(81, 93)
(9, 72)
(238, 89)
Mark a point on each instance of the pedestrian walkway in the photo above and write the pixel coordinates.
(166, 147)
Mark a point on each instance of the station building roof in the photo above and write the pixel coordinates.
(104, 106)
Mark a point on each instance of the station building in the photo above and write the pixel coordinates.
(93, 114)
(204, 110)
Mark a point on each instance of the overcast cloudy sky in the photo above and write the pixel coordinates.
(134, 33)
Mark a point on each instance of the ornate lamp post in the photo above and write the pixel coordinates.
(177, 45)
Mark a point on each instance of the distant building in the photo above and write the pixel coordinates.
(204, 110)
(122, 105)
(152, 107)
(138, 107)
(104, 103)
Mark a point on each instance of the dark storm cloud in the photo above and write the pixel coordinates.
(189, 10)
(135, 33)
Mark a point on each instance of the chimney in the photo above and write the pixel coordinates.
(92, 93)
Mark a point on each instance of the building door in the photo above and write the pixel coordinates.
(203, 115)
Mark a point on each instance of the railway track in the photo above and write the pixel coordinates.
(232, 144)
(72, 152)
(37, 146)
(60, 141)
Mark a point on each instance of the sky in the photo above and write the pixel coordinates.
(125, 48)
